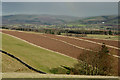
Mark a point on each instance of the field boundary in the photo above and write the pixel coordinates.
(25, 64)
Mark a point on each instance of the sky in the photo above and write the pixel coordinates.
(79, 9)
(60, 0)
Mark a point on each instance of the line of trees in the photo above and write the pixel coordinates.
(58, 31)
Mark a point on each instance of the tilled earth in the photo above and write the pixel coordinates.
(108, 42)
(64, 45)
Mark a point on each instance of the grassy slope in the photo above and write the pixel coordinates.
(11, 65)
(36, 57)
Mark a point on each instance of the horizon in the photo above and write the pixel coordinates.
(53, 15)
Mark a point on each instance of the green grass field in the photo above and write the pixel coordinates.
(108, 37)
(36, 57)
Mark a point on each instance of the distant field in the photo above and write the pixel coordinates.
(108, 37)
(36, 57)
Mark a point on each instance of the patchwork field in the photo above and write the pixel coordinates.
(55, 45)
(38, 58)
(42, 59)
(68, 46)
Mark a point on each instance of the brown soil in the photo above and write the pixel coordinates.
(76, 42)
(44, 40)
(48, 43)
(108, 42)
(55, 45)
(84, 44)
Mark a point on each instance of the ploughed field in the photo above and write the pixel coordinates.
(108, 42)
(81, 42)
(65, 45)
(48, 43)
(33, 56)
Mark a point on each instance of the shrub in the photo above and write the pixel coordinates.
(58, 70)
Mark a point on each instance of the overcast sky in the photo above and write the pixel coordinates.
(81, 9)
(60, 0)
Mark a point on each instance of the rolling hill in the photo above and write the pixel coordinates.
(38, 19)
(44, 19)
(108, 20)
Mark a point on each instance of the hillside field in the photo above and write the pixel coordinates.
(69, 46)
(38, 58)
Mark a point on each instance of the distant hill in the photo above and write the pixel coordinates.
(38, 19)
(58, 19)
(103, 20)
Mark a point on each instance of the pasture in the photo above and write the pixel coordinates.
(107, 37)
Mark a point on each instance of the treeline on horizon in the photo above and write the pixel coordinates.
(68, 32)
